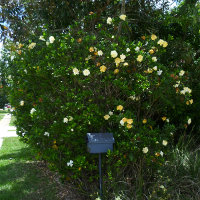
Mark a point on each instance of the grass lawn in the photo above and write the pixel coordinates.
(1, 116)
(20, 177)
(4, 111)
(12, 121)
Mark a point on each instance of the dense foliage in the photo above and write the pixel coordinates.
(130, 75)
(67, 85)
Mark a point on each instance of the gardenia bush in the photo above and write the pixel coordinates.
(79, 82)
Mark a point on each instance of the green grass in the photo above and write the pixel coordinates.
(12, 121)
(4, 111)
(1, 116)
(20, 178)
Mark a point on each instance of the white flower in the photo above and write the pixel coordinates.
(21, 103)
(122, 122)
(176, 85)
(181, 73)
(118, 198)
(113, 36)
(186, 90)
(122, 57)
(122, 17)
(70, 163)
(164, 142)
(162, 186)
(161, 153)
(51, 39)
(100, 53)
(159, 72)
(145, 149)
(46, 134)
(65, 120)
(154, 59)
(70, 118)
(47, 43)
(32, 111)
(72, 130)
(155, 68)
(110, 113)
(125, 64)
(132, 97)
(113, 54)
(167, 120)
(75, 71)
(109, 20)
(32, 45)
(137, 49)
(86, 72)
(98, 198)
(88, 58)
(25, 71)
(41, 38)
(189, 121)
(128, 50)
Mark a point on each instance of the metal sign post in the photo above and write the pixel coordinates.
(100, 143)
(100, 177)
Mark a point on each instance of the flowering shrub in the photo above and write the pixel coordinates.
(67, 85)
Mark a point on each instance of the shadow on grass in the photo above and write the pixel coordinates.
(21, 154)
(21, 180)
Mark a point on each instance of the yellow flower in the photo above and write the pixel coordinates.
(103, 68)
(144, 121)
(32, 45)
(20, 45)
(187, 102)
(140, 58)
(148, 71)
(98, 64)
(164, 118)
(117, 61)
(157, 154)
(54, 141)
(165, 44)
(129, 126)
(153, 37)
(129, 121)
(106, 117)
(116, 71)
(124, 119)
(55, 146)
(120, 107)
(191, 101)
(151, 51)
(143, 37)
(91, 49)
